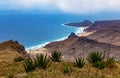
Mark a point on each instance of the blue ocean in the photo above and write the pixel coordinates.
(36, 30)
(33, 30)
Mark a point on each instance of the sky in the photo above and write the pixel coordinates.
(67, 6)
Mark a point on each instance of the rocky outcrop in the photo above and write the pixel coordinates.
(80, 24)
(11, 49)
(12, 45)
(76, 46)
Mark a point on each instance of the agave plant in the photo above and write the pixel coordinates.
(66, 69)
(28, 65)
(56, 56)
(99, 65)
(42, 61)
(110, 62)
(19, 59)
(94, 57)
(79, 62)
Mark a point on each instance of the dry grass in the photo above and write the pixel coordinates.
(16, 70)
(9, 68)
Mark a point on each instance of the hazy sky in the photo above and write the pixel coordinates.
(68, 6)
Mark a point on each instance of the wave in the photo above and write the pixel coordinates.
(78, 30)
(43, 44)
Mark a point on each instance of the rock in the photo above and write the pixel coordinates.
(75, 46)
(12, 45)
(80, 24)
(72, 35)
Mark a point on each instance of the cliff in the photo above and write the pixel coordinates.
(75, 46)
(105, 31)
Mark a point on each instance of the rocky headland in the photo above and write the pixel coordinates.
(11, 49)
(102, 36)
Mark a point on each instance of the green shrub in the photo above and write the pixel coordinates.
(94, 57)
(66, 69)
(79, 62)
(42, 61)
(56, 56)
(110, 62)
(19, 59)
(28, 65)
(99, 65)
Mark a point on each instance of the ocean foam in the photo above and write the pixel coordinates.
(43, 44)
(78, 30)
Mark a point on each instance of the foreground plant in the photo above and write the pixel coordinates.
(110, 62)
(28, 65)
(56, 56)
(42, 61)
(66, 69)
(18, 59)
(99, 65)
(79, 62)
(94, 57)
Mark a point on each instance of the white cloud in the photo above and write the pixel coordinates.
(71, 6)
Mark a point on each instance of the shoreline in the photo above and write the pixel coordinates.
(37, 48)
(34, 47)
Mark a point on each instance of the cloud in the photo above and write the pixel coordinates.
(70, 6)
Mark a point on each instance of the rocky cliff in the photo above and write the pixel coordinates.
(106, 31)
(75, 46)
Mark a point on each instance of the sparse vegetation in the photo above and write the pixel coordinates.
(56, 56)
(28, 65)
(66, 69)
(79, 62)
(59, 69)
(99, 65)
(94, 57)
(42, 61)
(110, 62)
(18, 59)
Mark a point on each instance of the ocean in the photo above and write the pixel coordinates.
(36, 30)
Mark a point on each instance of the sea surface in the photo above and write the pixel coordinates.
(36, 30)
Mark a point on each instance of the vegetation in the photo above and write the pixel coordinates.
(19, 59)
(42, 61)
(28, 65)
(94, 57)
(67, 69)
(59, 69)
(99, 65)
(110, 62)
(56, 56)
(79, 62)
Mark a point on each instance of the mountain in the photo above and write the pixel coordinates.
(75, 46)
(107, 31)
(104, 25)
(11, 49)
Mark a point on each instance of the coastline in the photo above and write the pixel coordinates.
(79, 30)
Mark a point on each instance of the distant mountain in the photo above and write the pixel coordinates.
(105, 25)
(75, 46)
(80, 24)
(107, 31)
